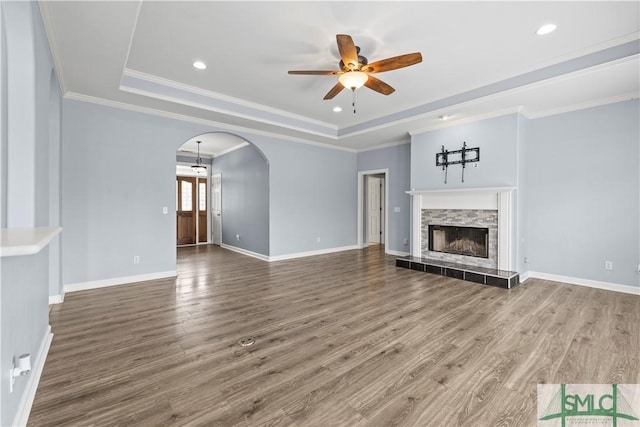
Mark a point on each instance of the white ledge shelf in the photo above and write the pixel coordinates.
(26, 241)
(462, 190)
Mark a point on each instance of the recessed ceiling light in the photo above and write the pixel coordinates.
(546, 29)
(199, 65)
(337, 109)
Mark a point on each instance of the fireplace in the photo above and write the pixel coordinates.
(491, 208)
(459, 240)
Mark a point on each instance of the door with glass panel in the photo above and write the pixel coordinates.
(192, 210)
(186, 210)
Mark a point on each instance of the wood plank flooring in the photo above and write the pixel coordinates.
(343, 339)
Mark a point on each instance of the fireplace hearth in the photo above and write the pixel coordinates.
(459, 240)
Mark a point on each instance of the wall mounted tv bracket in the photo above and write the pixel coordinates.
(457, 157)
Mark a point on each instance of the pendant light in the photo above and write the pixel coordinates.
(353, 80)
(199, 168)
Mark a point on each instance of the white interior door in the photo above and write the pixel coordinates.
(216, 208)
(374, 186)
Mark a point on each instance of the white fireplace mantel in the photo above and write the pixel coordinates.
(495, 198)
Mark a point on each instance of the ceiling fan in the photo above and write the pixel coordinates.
(355, 70)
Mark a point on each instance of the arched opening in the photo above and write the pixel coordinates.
(228, 203)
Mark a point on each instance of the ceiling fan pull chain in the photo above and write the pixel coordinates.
(353, 102)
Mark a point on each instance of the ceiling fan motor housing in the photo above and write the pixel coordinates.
(355, 70)
(362, 61)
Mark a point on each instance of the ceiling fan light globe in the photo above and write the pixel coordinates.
(353, 79)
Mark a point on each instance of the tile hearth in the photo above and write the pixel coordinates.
(485, 276)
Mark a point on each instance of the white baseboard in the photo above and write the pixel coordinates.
(311, 253)
(397, 253)
(83, 286)
(56, 299)
(581, 282)
(286, 256)
(33, 379)
(524, 276)
(245, 252)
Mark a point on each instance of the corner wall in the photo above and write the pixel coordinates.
(578, 180)
(26, 171)
(313, 194)
(245, 199)
(583, 193)
(118, 173)
(397, 159)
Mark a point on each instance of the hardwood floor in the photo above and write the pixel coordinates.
(342, 339)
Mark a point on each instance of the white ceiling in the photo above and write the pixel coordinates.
(212, 144)
(479, 59)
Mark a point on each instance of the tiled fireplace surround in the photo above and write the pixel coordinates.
(484, 218)
(493, 208)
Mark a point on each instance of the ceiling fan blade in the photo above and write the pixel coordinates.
(348, 51)
(315, 72)
(379, 86)
(394, 63)
(334, 91)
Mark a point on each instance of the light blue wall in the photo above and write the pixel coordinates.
(397, 159)
(497, 139)
(118, 173)
(4, 119)
(24, 318)
(583, 193)
(522, 206)
(54, 128)
(313, 192)
(27, 189)
(577, 174)
(245, 199)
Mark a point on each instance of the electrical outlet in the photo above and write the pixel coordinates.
(136, 259)
(405, 241)
(237, 237)
(317, 240)
(608, 265)
(526, 260)
(165, 210)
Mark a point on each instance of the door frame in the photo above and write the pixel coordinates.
(211, 207)
(361, 241)
(207, 176)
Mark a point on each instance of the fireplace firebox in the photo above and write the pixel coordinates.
(460, 240)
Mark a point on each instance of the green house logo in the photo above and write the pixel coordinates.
(588, 404)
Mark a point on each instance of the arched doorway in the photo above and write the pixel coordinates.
(232, 195)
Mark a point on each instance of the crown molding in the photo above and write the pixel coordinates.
(191, 154)
(589, 50)
(582, 106)
(221, 126)
(216, 96)
(465, 120)
(206, 107)
(385, 145)
(229, 150)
